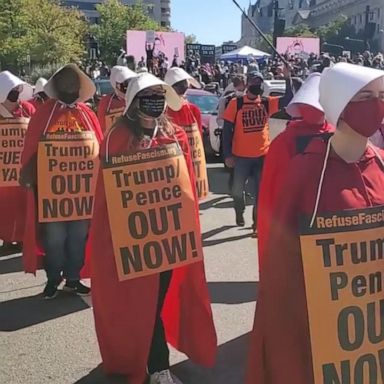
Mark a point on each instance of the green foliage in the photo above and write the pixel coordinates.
(191, 39)
(263, 45)
(42, 29)
(45, 71)
(301, 30)
(115, 19)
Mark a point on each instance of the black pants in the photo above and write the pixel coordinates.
(158, 359)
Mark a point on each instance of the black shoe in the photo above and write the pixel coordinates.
(254, 231)
(240, 220)
(50, 290)
(76, 287)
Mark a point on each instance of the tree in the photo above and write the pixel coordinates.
(300, 30)
(191, 39)
(115, 19)
(40, 29)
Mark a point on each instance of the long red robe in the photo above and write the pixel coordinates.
(107, 103)
(36, 102)
(280, 346)
(13, 200)
(37, 125)
(282, 149)
(125, 311)
(187, 115)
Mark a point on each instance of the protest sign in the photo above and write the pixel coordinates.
(343, 268)
(152, 212)
(298, 46)
(12, 133)
(198, 159)
(67, 172)
(111, 116)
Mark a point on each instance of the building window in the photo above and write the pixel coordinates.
(371, 16)
(378, 13)
(360, 18)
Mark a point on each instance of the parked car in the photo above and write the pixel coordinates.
(207, 103)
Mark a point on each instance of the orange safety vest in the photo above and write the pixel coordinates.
(251, 131)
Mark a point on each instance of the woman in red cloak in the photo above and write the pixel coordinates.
(135, 318)
(13, 199)
(330, 180)
(64, 241)
(308, 124)
(112, 106)
(189, 113)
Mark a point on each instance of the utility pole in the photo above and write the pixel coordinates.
(275, 21)
(366, 28)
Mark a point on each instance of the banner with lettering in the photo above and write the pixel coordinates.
(198, 159)
(111, 116)
(152, 212)
(67, 171)
(343, 266)
(12, 133)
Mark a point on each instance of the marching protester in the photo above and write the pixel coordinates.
(189, 118)
(112, 106)
(148, 279)
(308, 123)
(246, 137)
(314, 322)
(14, 119)
(39, 96)
(59, 166)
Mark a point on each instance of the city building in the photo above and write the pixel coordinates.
(315, 13)
(159, 10)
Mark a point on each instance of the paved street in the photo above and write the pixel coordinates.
(54, 342)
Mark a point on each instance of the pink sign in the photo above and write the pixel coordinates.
(169, 43)
(298, 46)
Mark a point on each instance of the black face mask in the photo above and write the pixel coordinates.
(255, 89)
(68, 97)
(152, 106)
(13, 96)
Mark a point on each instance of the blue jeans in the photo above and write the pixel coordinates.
(246, 168)
(64, 244)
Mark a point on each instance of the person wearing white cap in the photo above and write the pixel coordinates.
(112, 106)
(320, 295)
(137, 308)
(59, 166)
(14, 118)
(189, 118)
(39, 96)
(308, 123)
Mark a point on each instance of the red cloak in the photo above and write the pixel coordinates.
(37, 125)
(106, 104)
(187, 115)
(36, 102)
(13, 200)
(280, 346)
(125, 311)
(282, 149)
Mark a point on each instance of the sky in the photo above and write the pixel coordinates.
(211, 21)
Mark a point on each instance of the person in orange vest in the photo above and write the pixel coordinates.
(59, 167)
(39, 96)
(112, 106)
(14, 117)
(246, 137)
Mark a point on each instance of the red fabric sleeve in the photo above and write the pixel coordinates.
(28, 108)
(102, 109)
(197, 114)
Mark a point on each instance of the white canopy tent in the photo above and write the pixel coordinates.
(245, 52)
